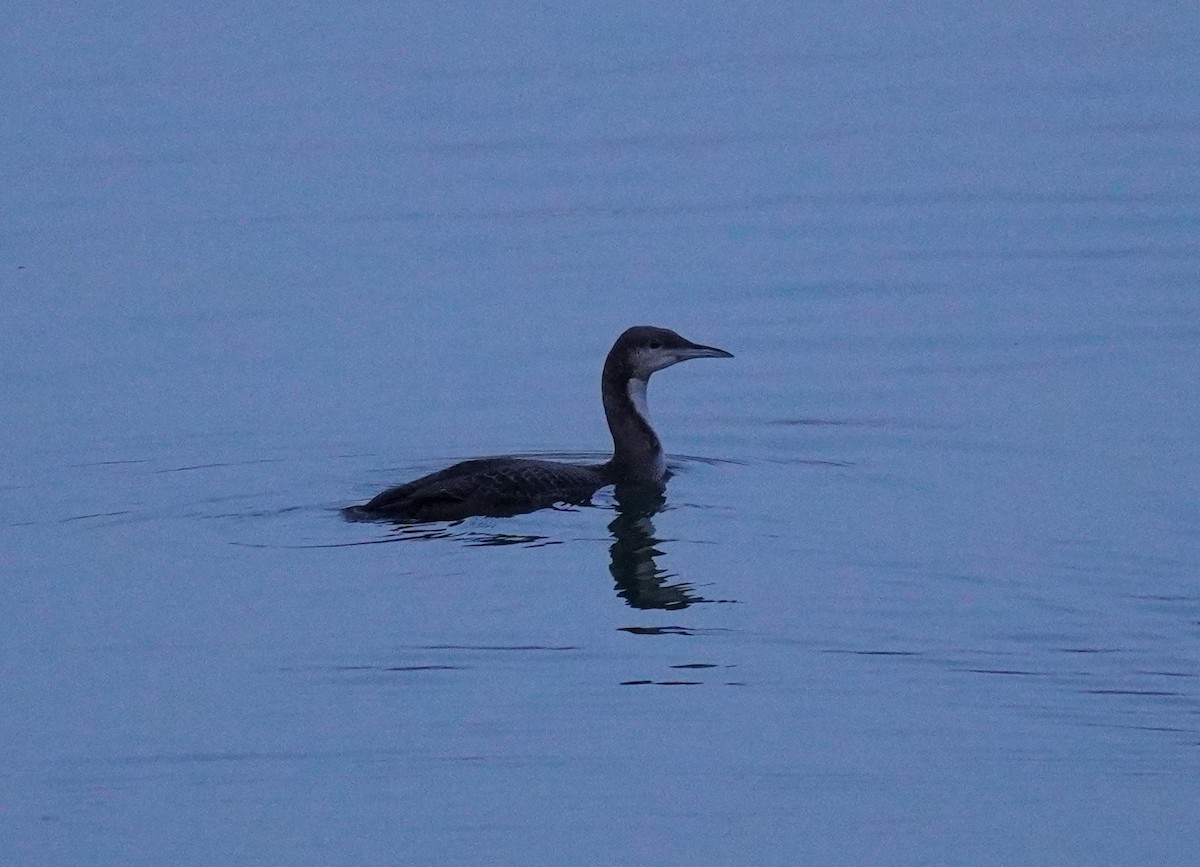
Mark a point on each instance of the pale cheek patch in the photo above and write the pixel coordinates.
(648, 361)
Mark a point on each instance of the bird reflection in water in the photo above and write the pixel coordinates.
(639, 579)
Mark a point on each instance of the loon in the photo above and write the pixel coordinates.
(504, 486)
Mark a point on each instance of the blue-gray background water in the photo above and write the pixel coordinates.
(924, 586)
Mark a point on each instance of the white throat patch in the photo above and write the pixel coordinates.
(637, 396)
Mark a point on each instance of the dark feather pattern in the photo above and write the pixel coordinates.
(486, 486)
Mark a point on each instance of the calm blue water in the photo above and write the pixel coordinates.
(924, 586)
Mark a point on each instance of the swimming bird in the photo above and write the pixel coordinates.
(504, 486)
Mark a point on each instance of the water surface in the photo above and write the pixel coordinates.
(923, 586)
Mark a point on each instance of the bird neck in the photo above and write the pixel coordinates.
(637, 452)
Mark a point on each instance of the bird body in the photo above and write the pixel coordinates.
(487, 486)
